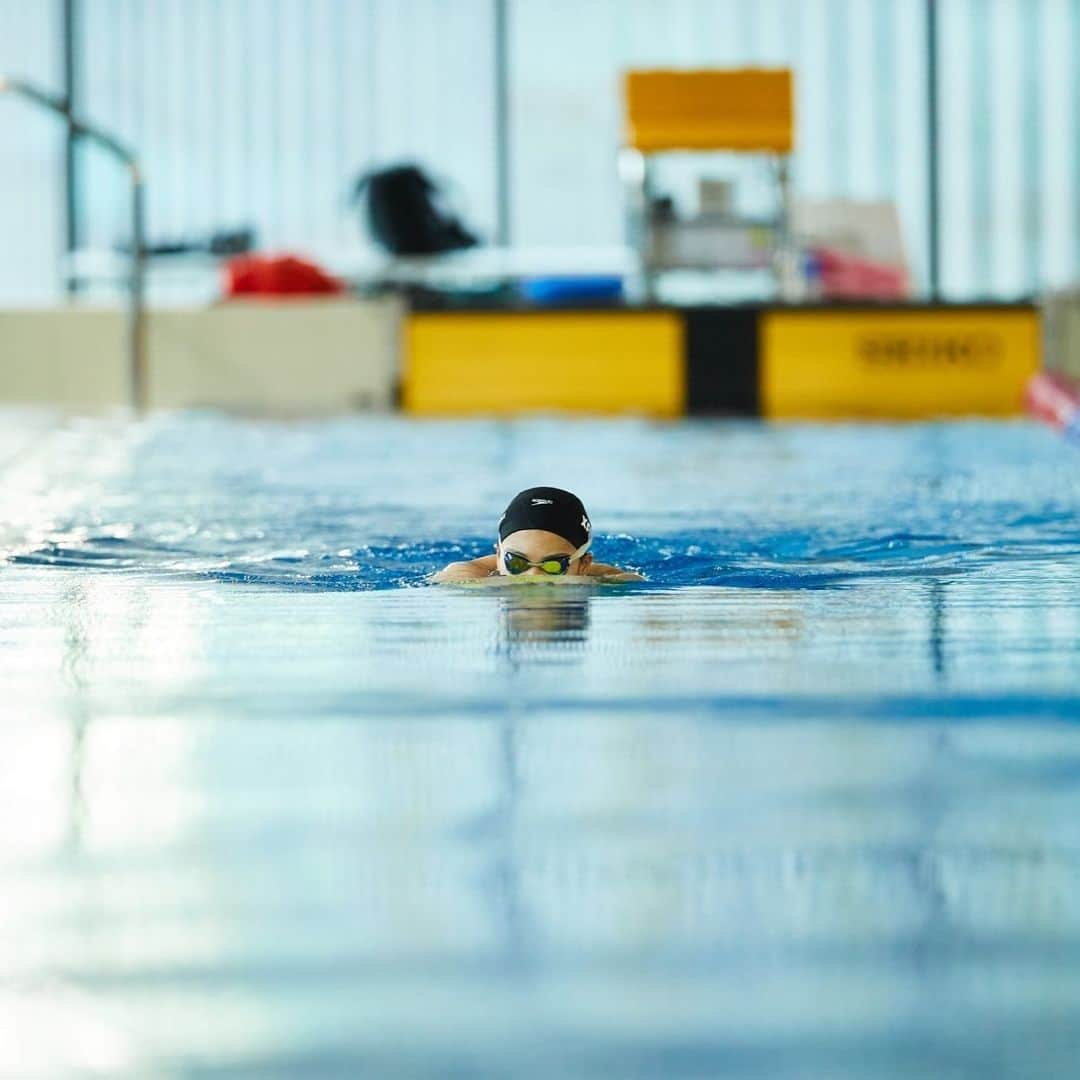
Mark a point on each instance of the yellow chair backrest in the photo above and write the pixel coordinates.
(748, 109)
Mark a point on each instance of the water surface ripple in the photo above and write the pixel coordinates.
(805, 803)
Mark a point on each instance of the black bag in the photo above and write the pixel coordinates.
(404, 216)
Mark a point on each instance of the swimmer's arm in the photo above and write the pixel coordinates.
(466, 571)
(612, 573)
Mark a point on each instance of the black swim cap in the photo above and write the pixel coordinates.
(551, 509)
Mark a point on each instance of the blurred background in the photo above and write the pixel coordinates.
(261, 113)
(351, 164)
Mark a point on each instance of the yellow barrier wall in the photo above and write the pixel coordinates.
(504, 363)
(897, 364)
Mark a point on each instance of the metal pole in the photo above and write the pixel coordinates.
(933, 156)
(502, 121)
(1032, 136)
(1073, 137)
(136, 314)
(984, 182)
(785, 258)
(137, 366)
(70, 29)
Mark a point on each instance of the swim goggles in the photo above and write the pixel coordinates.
(516, 563)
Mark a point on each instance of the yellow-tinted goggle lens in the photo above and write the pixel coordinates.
(518, 564)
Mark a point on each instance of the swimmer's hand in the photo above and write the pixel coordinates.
(466, 571)
(612, 573)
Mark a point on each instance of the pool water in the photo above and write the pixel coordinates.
(805, 803)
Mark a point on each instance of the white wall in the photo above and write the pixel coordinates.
(1009, 110)
(262, 110)
(31, 156)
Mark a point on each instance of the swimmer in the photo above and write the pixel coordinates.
(544, 532)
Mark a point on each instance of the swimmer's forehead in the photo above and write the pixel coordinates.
(537, 543)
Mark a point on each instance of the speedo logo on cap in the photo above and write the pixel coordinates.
(586, 524)
(543, 502)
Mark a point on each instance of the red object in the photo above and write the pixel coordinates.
(842, 276)
(1055, 398)
(281, 275)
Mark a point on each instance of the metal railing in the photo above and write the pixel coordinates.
(136, 330)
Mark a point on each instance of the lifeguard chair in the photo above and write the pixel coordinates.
(746, 111)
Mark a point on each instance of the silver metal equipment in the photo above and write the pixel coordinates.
(137, 366)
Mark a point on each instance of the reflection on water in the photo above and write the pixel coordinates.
(544, 616)
(73, 678)
(257, 829)
(630, 831)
